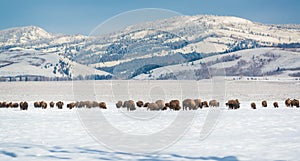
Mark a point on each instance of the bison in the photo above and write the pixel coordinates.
(51, 104)
(37, 104)
(198, 103)
(204, 104)
(288, 102)
(102, 105)
(160, 104)
(119, 104)
(146, 104)
(71, 105)
(24, 105)
(59, 104)
(275, 104)
(153, 107)
(15, 105)
(253, 105)
(214, 103)
(189, 103)
(175, 105)
(139, 103)
(295, 102)
(129, 105)
(43, 104)
(264, 103)
(233, 104)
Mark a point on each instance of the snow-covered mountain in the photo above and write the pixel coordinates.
(250, 62)
(140, 48)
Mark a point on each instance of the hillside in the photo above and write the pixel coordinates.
(251, 62)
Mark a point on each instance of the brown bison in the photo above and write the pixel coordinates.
(37, 104)
(129, 105)
(51, 104)
(275, 104)
(102, 105)
(139, 103)
(214, 103)
(253, 105)
(233, 104)
(295, 102)
(43, 104)
(71, 105)
(160, 104)
(264, 103)
(153, 107)
(204, 104)
(15, 105)
(198, 103)
(24, 105)
(288, 102)
(9, 105)
(189, 103)
(59, 104)
(175, 105)
(166, 106)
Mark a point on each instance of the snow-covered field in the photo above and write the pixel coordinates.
(116, 134)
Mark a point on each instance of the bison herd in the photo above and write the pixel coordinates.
(130, 105)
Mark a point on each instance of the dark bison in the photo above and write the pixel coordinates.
(51, 104)
(24, 105)
(253, 105)
(71, 105)
(233, 104)
(214, 103)
(102, 105)
(139, 103)
(264, 103)
(59, 104)
(37, 104)
(275, 104)
(204, 104)
(15, 105)
(43, 104)
(295, 102)
(146, 104)
(288, 102)
(175, 105)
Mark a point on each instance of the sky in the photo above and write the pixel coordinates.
(83, 16)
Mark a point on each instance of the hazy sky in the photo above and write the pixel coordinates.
(82, 16)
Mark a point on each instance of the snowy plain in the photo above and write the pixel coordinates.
(216, 134)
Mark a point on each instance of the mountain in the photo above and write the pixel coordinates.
(140, 49)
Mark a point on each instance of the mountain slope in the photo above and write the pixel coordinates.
(251, 63)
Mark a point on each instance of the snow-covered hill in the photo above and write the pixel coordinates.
(142, 47)
(250, 62)
(28, 64)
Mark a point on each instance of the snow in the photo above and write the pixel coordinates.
(243, 134)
